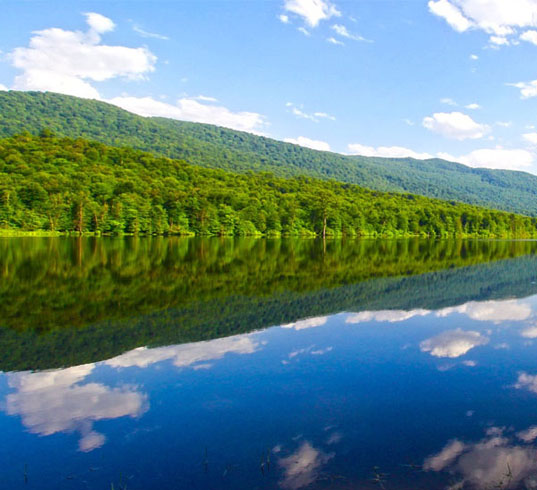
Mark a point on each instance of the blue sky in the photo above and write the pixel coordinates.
(449, 78)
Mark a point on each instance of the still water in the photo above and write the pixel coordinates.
(257, 364)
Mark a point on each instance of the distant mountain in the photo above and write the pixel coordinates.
(216, 147)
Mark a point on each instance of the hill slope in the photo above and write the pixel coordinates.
(64, 184)
(211, 146)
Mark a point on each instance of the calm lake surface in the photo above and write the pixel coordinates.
(166, 363)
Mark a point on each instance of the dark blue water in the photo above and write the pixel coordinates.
(405, 398)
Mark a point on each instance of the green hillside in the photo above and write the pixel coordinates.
(76, 185)
(211, 146)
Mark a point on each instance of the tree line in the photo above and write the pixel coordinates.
(78, 186)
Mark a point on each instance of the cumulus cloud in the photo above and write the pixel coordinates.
(302, 467)
(455, 125)
(453, 343)
(389, 316)
(284, 18)
(511, 159)
(307, 323)
(3, 88)
(498, 18)
(300, 113)
(529, 333)
(484, 464)
(67, 61)
(529, 36)
(193, 109)
(309, 143)
(386, 151)
(57, 401)
(312, 11)
(527, 89)
(452, 14)
(530, 138)
(193, 355)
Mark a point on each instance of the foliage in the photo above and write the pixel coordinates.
(215, 147)
(66, 185)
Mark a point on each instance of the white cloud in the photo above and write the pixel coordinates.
(504, 124)
(389, 316)
(136, 28)
(304, 31)
(474, 57)
(3, 88)
(299, 112)
(448, 101)
(342, 31)
(302, 467)
(453, 343)
(307, 323)
(452, 15)
(386, 151)
(193, 109)
(312, 11)
(529, 36)
(56, 401)
(529, 332)
(284, 18)
(498, 18)
(491, 311)
(455, 125)
(333, 40)
(530, 138)
(499, 41)
(473, 106)
(527, 89)
(309, 143)
(99, 23)
(66, 61)
(186, 355)
(516, 159)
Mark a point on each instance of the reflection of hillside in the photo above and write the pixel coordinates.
(124, 294)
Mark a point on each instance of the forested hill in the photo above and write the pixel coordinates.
(63, 184)
(211, 146)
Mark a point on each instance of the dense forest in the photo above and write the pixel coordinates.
(215, 147)
(68, 185)
(71, 301)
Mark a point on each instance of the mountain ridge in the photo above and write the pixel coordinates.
(217, 147)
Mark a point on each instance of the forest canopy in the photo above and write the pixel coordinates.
(76, 185)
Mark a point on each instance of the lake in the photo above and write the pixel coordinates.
(174, 363)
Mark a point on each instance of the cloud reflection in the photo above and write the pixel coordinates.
(389, 316)
(302, 467)
(491, 311)
(453, 343)
(307, 323)
(56, 401)
(193, 355)
(489, 463)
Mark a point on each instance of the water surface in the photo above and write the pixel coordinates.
(245, 364)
